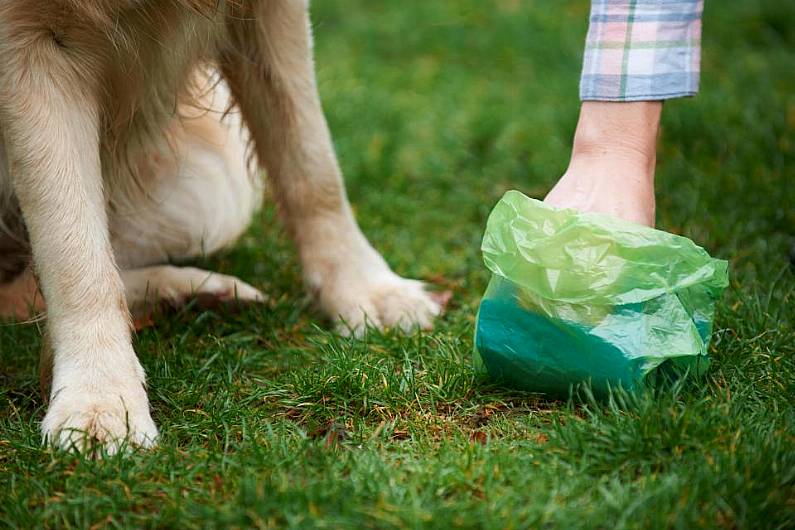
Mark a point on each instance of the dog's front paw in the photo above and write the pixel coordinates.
(90, 421)
(387, 301)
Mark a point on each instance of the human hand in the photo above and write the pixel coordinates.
(612, 164)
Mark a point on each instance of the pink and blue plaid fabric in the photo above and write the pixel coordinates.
(642, 50)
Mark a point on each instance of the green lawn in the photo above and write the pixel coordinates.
(268, 419)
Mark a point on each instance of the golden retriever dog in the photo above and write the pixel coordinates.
(131, 135)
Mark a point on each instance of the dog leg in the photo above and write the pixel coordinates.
(270, 71)
(51, 127)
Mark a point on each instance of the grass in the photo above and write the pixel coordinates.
(269, 419)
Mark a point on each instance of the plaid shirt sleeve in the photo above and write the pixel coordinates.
(640, 50)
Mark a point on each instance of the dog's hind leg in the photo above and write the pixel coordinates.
(202, 195)
(50, 116)
(268, 64)
(145, 288)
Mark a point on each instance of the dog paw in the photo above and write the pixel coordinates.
(387, 302)
(91, 423)
(216, 289)
(174, 286)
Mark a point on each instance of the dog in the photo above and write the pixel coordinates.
(132, 134)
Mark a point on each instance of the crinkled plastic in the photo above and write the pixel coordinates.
(586, 297)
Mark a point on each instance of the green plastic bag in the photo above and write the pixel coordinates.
(586, 297)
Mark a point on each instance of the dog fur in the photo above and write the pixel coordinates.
(132, 133)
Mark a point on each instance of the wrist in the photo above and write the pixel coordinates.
(625, 132)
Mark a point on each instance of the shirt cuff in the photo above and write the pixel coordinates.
(640, 50)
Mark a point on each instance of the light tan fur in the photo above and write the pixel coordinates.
(124, 135)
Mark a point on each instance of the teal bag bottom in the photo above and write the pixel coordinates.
(531, 351)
